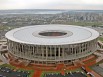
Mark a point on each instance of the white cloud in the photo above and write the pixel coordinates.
(51, 4)
(93, 2)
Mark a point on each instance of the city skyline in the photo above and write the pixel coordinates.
(52, 4)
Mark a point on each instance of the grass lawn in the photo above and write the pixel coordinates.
(101, 39)
(58, 72)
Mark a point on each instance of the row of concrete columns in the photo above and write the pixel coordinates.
(52, 53)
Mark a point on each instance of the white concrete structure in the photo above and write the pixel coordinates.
(50, 44)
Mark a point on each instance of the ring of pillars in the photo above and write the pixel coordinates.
(52, 54)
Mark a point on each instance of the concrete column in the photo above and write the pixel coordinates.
(23, 51)
(79, 48)
(87, 46)
(18, 50)
(13, 47)
(10, 45)
(30, 52)
(74, 50)
(59, 51)
(42, 52)
(55, 52)
(63, 52)
(69, 49)
(50, 52)
(35, 50)
(27, 51)
(46, 52)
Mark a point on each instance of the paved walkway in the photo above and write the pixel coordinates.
(92, 72)
(37, 73)
(95, 74)
(100, 58)
(3, 59)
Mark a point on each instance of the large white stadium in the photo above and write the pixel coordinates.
(52, 44)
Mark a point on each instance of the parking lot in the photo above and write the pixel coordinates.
(8, 72)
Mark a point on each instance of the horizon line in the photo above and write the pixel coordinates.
(54, 9)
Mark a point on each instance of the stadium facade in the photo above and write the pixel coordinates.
(52, 44)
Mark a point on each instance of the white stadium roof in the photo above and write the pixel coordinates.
(30, 34)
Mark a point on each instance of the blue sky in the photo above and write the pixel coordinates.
(52, 4)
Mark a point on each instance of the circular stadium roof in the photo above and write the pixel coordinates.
(52, 34)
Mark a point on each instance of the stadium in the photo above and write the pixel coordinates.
(51, 44)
